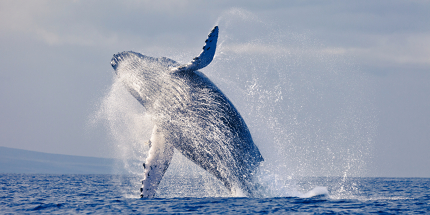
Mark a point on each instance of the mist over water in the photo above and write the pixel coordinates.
(308, 107)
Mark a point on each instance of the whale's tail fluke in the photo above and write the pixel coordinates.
(205, 57)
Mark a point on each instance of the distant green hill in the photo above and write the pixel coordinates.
(24, 161)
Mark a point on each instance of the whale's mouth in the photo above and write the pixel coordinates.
(115, 62)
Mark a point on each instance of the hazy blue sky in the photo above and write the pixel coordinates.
(55, 67)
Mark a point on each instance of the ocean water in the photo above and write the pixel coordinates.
(113, 194)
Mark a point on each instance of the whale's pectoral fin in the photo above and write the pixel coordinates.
(156, 164)
(205, 57)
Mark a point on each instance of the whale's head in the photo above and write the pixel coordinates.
(133, 62)
(143, 76)
(126, 62)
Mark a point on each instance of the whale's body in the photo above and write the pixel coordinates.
(192, 115)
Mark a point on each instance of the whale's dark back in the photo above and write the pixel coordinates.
(226, 148)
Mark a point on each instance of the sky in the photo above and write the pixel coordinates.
(55, 68)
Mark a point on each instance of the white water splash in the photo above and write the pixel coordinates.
(317, 191)
(308, 109)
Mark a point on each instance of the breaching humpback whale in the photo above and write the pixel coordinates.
(190, 114)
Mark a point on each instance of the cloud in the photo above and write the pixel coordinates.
(386, 51)
(412, 49)
(44, 21)
(253, 49)
(84, 37)
(403, 49)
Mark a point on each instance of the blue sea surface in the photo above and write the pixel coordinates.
(110, 194)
